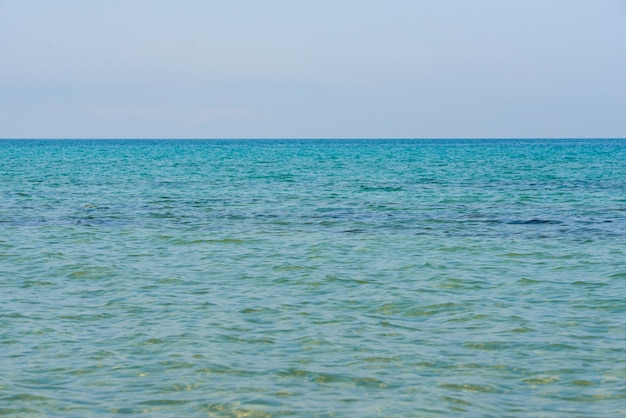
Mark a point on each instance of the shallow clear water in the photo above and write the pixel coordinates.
(313, 278)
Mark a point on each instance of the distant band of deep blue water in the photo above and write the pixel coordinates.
(313, 278)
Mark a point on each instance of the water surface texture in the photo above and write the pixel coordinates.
(313, 278)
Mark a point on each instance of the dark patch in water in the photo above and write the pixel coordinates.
(536, 222)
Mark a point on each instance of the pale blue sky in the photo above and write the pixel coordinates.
(303, 69)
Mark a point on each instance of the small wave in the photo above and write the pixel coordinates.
(535, 222)
(541, 380)
(381, 189)
(467, 387)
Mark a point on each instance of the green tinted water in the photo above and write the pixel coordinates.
(313, 278)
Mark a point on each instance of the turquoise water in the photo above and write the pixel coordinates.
(313, 278)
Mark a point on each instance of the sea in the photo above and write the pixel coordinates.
(313, 278)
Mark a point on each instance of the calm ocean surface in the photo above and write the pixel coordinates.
(313, 278)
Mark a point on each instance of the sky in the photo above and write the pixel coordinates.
(312, 69)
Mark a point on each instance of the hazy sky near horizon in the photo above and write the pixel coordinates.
(312, 69)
